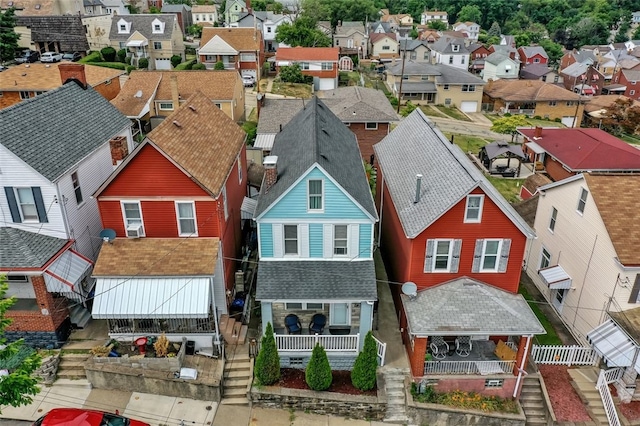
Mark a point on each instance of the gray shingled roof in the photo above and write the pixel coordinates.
(175, 8)
(24, 249)
(316, 280)
(316, 136)
(417, 87)
(355, 104)
(276, 113)
(67, 30)
(54, 131)
(575, 69)
(497, 57)
(530, 51)
(468, 307)
(534, 71)
(143, 24)
(410, 45)
(416, 146)
(445, 74)
(445, 43)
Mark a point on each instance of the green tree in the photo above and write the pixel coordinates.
(8, 37)
(277, 8)
(132, 7)
(198, 66)
(108, 53)
(154, 9)
(195, 30)
(18, 387)
(175, 60)
(554, 50)
(291, 74)
(495, 30)
(414, 33)
(622, 116)
(470, 13)
(509, 125)
(363, 375)
(268, 362)
(522, 39)
(302, 32)
(437, 25)
(143, 63)
(122, 55)
(219, 66)
(318, 373)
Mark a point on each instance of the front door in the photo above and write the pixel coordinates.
(340, 314)
(558, 299)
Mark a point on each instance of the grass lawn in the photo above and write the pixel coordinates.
(452, 112)
(253, 115)
(509, 188)
(630, 139)
(551, 338)
(467, 143)
(433, 112)
(532, 121)
(295, 90)
(349, 78)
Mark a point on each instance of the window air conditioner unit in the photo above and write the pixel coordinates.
(134, 231)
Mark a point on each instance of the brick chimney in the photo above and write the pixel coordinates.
(175, 96)
(73, 71)
(119, 149)
(538, 132)
(270, 171)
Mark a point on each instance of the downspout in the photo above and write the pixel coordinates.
(380, 213)
(522, 365)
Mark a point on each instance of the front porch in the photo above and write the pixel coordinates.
(482, 360)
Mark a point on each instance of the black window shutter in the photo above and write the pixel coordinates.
(42, 211)
(13, 204)
(635, 290)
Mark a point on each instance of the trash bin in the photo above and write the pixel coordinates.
(191, 347)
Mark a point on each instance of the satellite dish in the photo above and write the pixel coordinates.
(410, 289)
(108, 235)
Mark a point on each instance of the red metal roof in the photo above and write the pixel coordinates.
(308, 54)
(586, 149)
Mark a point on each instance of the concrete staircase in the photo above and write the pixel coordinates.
(79, 316)
(233, 331)
(237, 375)
(532, 401)
(584, 381)
(394, 387)
(71, 370)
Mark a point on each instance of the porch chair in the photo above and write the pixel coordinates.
(292, 323)
(439, 348)
(463, 346)
(316, 326)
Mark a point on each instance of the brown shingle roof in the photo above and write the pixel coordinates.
(157, 257)
(617, 203)
(241, 39)
(308, 54)
(139, 83)
(527, 209)
(536, 180)
(216, 85)
(202, 140)
(44, 77)
(528, 90)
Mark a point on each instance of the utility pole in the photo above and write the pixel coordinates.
(404, 56)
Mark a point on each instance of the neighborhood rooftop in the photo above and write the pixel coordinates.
(23, 249)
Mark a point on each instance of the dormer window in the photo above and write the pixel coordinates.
(157, 26)
(455, 47)
(124, 27)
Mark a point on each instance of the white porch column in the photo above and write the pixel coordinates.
(366, 321)
(267, 315)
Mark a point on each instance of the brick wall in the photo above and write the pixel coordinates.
(37, 320)
(477, 384)
(367, 138)
(555, 170)
(109, 89)
(9, 98)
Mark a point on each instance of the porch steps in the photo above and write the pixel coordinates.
(532, 401)
(74, 383)
(234, 332)
(584, 382)
(394, 388)
(72, 366)
(237, 375)
(79, 315)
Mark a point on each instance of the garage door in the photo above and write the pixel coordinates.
(568, 120)
(163, 64)
(469, 106)
(327, 84)
(252, 73)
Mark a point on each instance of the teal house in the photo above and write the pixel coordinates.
(315, 218)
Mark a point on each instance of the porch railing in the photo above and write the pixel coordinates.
(468, 367)
(564, 355)
(306, 343)
(158, 326)
(607, 399)
(381, 349)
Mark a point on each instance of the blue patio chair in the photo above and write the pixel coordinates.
(439, 348)
(292, 323)
(463, 346)
(318, 321)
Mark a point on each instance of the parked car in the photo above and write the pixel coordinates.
(27, 56)
(248, 80)
(71, 56)
(76, 417)
(50, 57)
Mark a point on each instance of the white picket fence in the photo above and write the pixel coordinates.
(564, 355)
(604, 379)
(381, 349)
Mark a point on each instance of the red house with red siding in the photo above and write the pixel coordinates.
(533, 55)
(186, 180)
(449, 234)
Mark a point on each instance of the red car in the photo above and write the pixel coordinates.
(80, 417)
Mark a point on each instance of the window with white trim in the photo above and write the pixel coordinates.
(239, 171)
(157, 45)
(442, 255)
(27, 204)
(340, 314)
(247, 57)
(298, 306)
(186, 215)
(327, 66)
(490, 255)
(24, 95)
(582, 202)
(224, 203)
(290, 239)
(545, 258)
(371, 126)
(340, 239)
(304, 66)
(552, 220)
(76, 187)
(166, 106)
(132, 213)
(315, 194)
(473, 209)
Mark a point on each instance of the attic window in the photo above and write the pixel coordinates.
(455, 47)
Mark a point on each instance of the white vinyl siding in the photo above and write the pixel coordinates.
(76, 187)
(582, 202)
(553, 219)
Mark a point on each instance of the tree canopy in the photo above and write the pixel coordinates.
(302, 32)
(622, 116)
(508, 125)
(8, 37)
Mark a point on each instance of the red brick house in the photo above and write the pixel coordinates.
(321, 63)
(533, 55)
(561, 153)
(629, 81)
(459, 246)
(479, 53)
(237, 48)
(182, 186)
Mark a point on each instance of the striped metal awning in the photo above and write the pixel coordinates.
(248, 208)
(151, 297)
(555, 277)
(65, 274)
(612, 344)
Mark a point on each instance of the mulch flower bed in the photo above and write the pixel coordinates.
(565, 401)
(294, 379)
(631, 410)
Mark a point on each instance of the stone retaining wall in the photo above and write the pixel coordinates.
(339, 404)
(162, 364)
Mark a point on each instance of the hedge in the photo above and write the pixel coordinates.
(185, 65)
(91, 57)
(114, 65)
